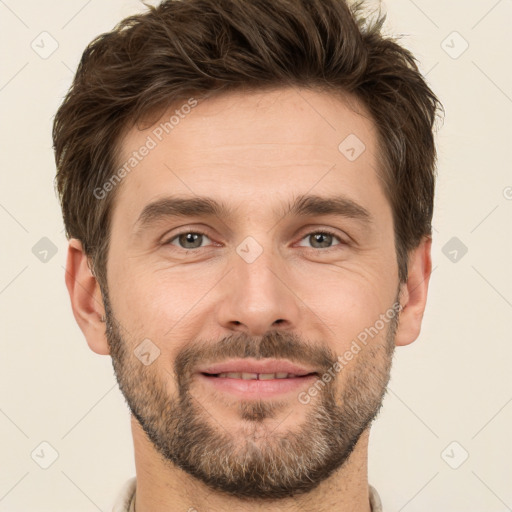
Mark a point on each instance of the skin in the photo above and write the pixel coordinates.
(237, 148)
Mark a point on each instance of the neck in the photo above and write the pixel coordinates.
(161, 486)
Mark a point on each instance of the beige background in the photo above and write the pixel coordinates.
(452, 384)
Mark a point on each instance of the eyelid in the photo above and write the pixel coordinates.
(167, 240)
(325, 231)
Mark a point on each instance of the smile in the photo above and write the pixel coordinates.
(255, 376)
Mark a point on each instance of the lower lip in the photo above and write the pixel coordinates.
(257, 388)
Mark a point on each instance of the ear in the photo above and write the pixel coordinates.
(86, 300)
(413, 293)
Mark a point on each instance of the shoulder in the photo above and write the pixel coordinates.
(125, 497)
(375, 501)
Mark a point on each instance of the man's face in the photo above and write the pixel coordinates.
(269, 282)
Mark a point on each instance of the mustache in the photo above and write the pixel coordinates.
(274, 344)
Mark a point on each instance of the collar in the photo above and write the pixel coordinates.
(126, 499)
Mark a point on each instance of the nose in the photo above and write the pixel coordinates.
(258, 297)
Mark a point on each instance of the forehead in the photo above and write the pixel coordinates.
(250, 149)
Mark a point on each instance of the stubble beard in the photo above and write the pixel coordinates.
(259, 460)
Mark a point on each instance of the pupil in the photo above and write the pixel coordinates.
(191, 238)
(318, 238)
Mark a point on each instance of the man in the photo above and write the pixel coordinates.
(247, 188)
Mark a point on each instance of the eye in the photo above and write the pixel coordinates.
(188, 240)
(322, 239)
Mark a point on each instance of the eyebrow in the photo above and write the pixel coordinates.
(301, 206)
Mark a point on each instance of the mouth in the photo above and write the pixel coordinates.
(256, 376)
(256, 379)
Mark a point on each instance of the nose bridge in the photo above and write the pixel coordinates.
(256, 297)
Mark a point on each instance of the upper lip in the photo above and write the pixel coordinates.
(255, 366)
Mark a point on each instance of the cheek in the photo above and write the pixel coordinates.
(348, 297)
(349, 309)
(158, 301)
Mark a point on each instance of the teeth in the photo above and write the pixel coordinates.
(256, 376)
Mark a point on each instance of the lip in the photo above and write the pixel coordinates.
(255, 388)
(252, 389)
(256, 366)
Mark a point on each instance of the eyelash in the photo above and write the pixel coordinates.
(318, 232)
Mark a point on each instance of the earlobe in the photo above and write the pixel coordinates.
(414, 292)
(86, 300)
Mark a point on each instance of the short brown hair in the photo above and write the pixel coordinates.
(202, 47)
